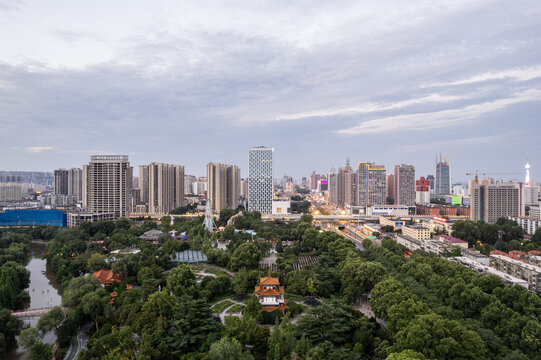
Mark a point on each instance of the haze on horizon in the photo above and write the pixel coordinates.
(192, 82)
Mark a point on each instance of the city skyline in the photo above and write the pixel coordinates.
(405, 81)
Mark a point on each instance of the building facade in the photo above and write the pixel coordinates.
(165, 187)
(404, 185)
(260, 185)
(371, 184)
(493, 201)
(443, 178)
(61, 182)
(108, 181)
(223, 184)
(422, 191)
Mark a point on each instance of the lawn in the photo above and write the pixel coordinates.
(218, 308)
(235, 309)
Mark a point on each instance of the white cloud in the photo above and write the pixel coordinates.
(423, 121)
(516, 74)
(370, 107)
(37, 149)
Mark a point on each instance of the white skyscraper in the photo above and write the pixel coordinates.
(107, 184)
(260, 188)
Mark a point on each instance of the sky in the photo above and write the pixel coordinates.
(190, 82)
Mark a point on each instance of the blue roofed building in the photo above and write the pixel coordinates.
(32, 217)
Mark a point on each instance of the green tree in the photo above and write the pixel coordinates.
(406, 355)
(51, 320)
(247, 255)
(29, 337)
(41, 351)
(439, 338)
(77, 288)
(97, 262)
(252, 308)
(360, 276)
(227, 349)
(191, 327)
(181, 281)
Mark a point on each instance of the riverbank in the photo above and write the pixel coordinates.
(44, 291)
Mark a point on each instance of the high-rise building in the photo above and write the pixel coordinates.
(493, 201)
(260, 187)
(189, 180)
(390, 187)
(314, 180)
(61, 182)
(165, 187)
(422, 191)
(404, 185)
(432, 183)
(143, 184)
(107, 185)
(443, 178)
(346, 186)
(75, 183)
(371, 184)
(223, 184)
(10, 191)
(333, 186)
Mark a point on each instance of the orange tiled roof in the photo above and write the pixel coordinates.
(106, 276)
(269, 280)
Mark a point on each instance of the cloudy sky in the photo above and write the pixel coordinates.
(191, 82)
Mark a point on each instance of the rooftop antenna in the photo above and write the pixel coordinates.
(347, 161)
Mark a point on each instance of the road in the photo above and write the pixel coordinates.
(78, 343)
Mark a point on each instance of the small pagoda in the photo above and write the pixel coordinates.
(271, 294)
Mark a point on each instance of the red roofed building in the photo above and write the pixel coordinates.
(107, 277)
(518, 253)
(498, 252)
(270, 294)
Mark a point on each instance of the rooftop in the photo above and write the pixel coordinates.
(189, 256)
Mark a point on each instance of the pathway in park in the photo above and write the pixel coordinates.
(224, 313)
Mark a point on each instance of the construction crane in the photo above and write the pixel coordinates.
(477, 173)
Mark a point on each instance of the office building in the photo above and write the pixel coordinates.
(417, 232)
(223, 184)
(333, 186)
(260, 186)
(346, 186)
(432, 183)
(443, 178)
(61, 182)
(314, 181)
(390, 188)
(371, 184)
(165, 189)
(143, 184)
(75, 183)
(108, 181)
(493, 201)
(404, 185)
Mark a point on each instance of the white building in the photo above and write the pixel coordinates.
(280, 207)
(107, 181)
(260, 186)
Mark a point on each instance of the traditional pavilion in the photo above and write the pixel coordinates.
(271, 294)
(107, 277)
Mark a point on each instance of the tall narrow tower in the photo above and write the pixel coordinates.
(527, 167)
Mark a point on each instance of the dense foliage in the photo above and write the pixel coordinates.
(425, 307)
